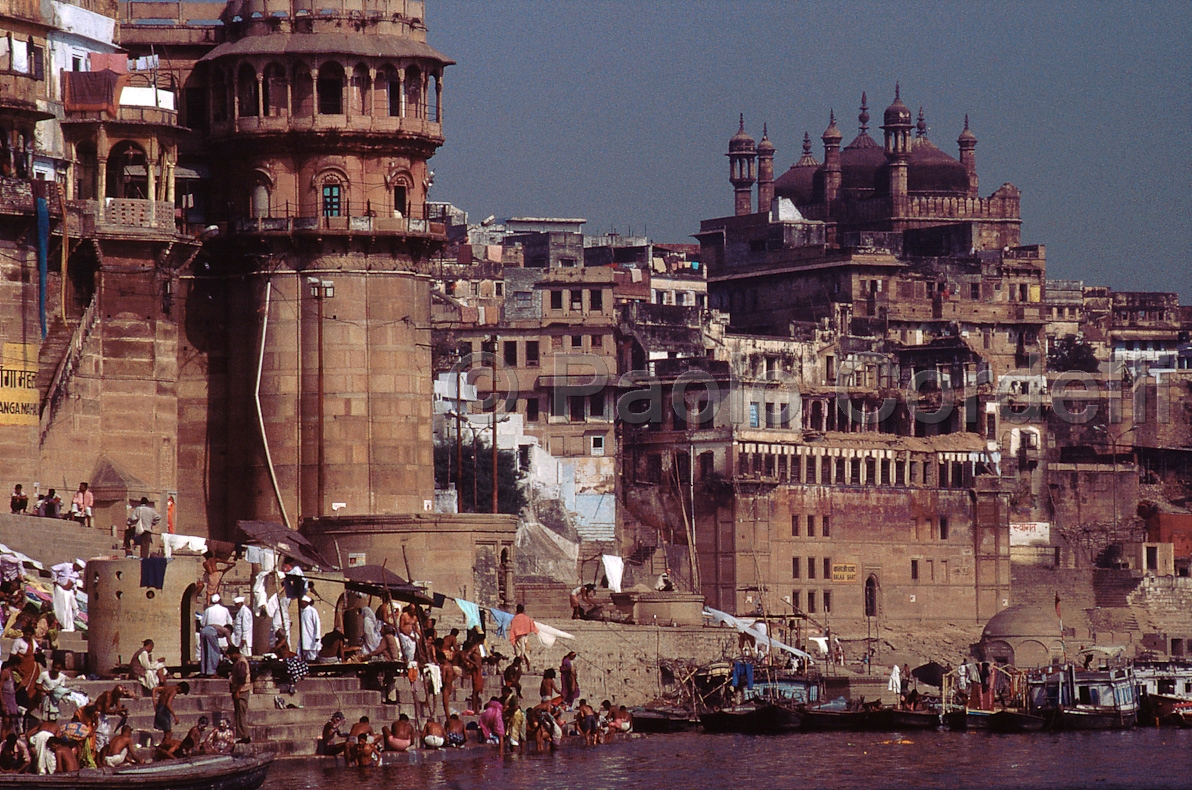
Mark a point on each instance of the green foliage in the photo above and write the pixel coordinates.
(474, 484)
(1072, 353)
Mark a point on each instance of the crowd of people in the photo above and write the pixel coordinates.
(502, 723)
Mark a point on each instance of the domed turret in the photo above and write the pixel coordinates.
(968, 156)
(897, 114)
(741, 153)
(832, 134)
(765, 171)
(741, 141)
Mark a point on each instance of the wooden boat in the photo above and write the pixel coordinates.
(656, 720)
(827, 719)
(212, 772)
(1072, 699)
(897, 720)
(752, 718)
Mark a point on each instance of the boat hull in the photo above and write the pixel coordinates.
(1002, 721)
(196, 773)
(1068, 719)
(834, 720)
(894, 720)
(654, 721)
(751, 720)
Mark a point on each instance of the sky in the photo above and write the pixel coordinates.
(620, 111)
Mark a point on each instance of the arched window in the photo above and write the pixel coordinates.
(303, 93)
(128, 176)
(392, 91)
(871, 596)
(414, 92)
(275, 100)
(247, 95)
(259, 200)
(331, 197)
(331, 89)
(219, 97)
(360, 92)
(401, 185)
(432, 98)
(86, 171)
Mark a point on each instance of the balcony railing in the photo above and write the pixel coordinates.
(407, 226)
(357, 122)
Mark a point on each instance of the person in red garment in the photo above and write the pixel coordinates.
(519, 633)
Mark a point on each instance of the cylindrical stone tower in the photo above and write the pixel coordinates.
(322, 122)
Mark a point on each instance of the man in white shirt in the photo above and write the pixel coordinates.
(65, 578)
(216, 625)
(145, 669)
(310, 629)
(242, 626)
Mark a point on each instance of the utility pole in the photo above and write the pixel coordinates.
(494, 418)
(320, 290)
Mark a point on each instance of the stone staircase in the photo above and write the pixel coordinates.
(49, 356)
(69, 540)
(291, 731)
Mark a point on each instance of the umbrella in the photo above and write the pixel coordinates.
(930, 673)
(371, 578)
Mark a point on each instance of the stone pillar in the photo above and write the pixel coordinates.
(101, 164)
(439, 98)
(401, 93)
(261, 95)
(151, 164)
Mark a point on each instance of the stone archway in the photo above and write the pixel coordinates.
(187, 624)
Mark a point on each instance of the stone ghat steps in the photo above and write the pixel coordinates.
(50, 541)
(291, 731)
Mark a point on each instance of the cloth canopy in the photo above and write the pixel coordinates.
(285, 541)
(750, 627)
(377, 580)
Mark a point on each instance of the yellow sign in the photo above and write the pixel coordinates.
(18, 384)
(844, 571)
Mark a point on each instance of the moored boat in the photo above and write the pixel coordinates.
(897, 720)
(1074, 699)
(212, 772)
(828, 719)
(660, 720)
(752, 718)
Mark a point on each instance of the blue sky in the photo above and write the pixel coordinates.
(621, 111)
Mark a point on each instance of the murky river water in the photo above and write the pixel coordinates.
(1142, 758)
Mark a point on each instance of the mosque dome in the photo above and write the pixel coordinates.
(1021, 621)
(798, 183)
(931, 170)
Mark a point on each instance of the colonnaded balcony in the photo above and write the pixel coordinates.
(121, 129)
(345, 223)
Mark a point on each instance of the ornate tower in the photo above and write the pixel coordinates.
(765, 171)
(321, 122)
(968, 155)
(741, 153)
(897, 127)
(832, 175)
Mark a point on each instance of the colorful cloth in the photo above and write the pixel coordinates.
(471, 613)
(520, 626)
(502, 619)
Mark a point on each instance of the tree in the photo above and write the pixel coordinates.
(474, 490)
(1072, 353)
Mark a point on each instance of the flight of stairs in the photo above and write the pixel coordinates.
(53, 348)
(291, 731)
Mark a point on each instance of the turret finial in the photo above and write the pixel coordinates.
(806, 144)
(864, 116)
(897, 91)
(921, 126)
(742, 128)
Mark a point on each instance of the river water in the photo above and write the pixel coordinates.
(1140, 758)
